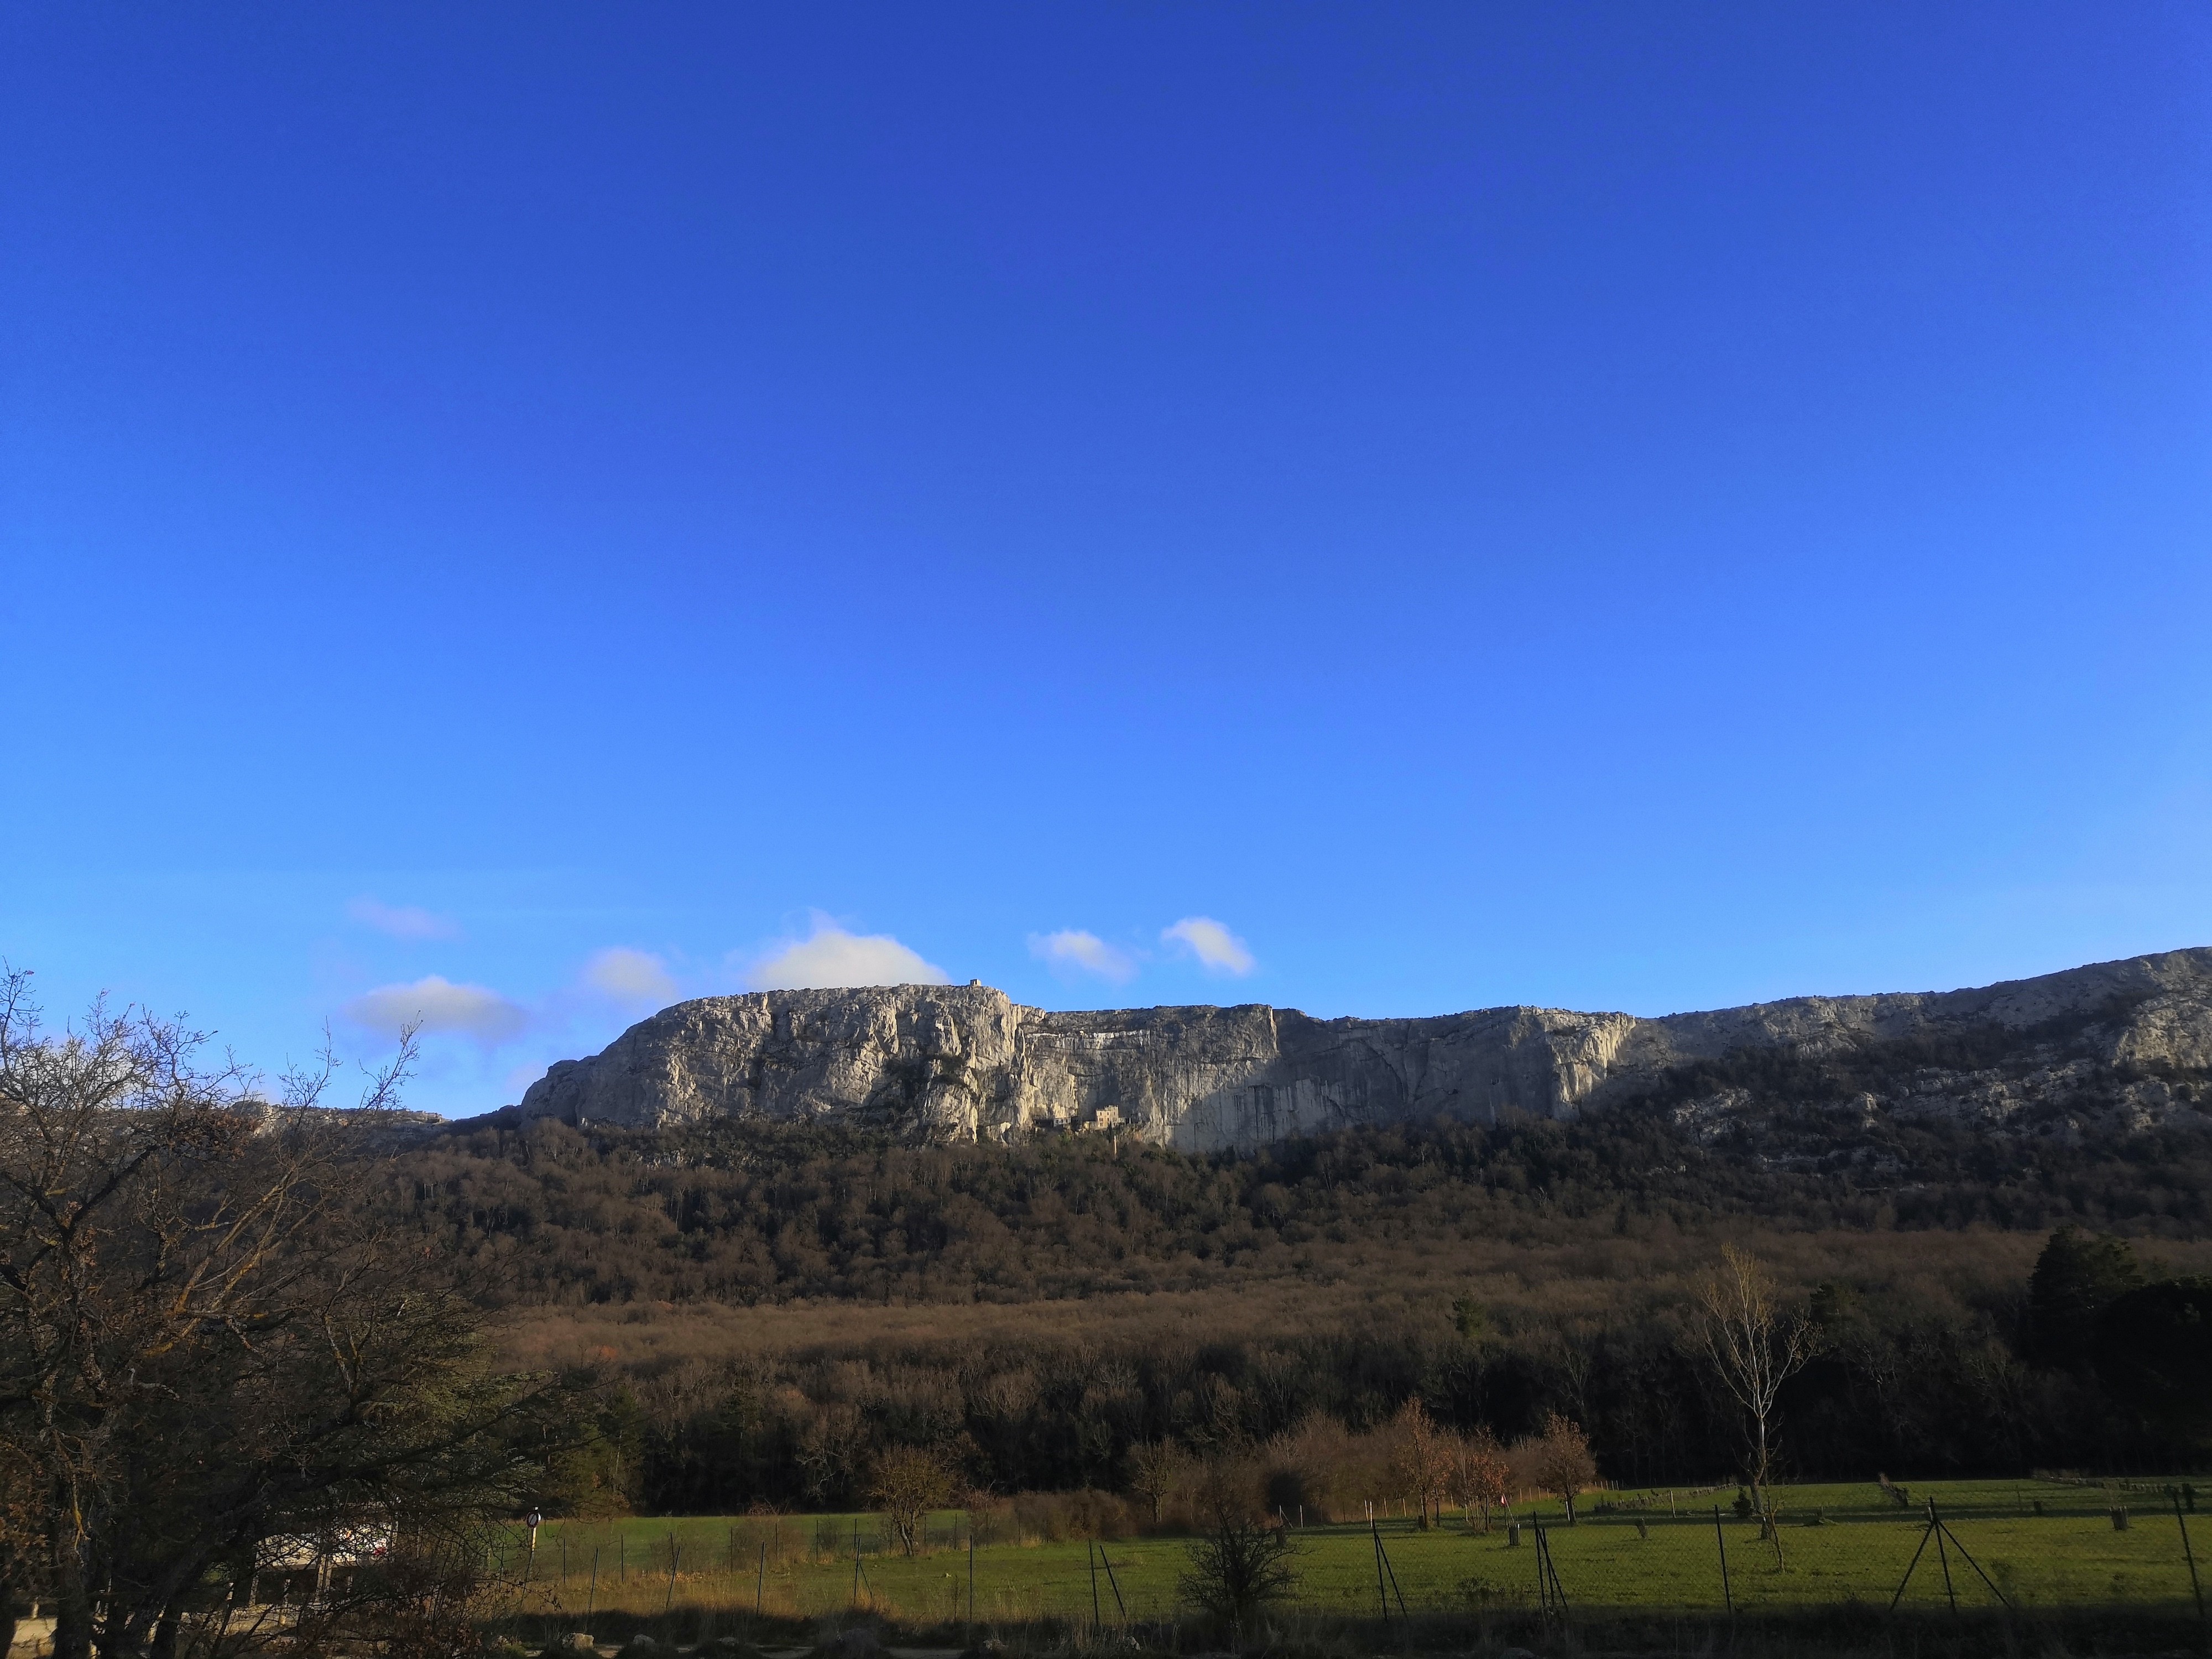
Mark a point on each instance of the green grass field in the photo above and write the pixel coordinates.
(2070, 1556)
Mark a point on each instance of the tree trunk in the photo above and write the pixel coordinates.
(73, 1625)
(164, 1632)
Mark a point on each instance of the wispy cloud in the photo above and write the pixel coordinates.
(402, 921)
(630, 976)
(437, 1005)
(1072, 948)
(831, 957)
(1217, 949)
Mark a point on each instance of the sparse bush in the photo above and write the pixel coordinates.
(1238, 1563)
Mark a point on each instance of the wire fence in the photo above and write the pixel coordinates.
(2041, 1547)
(2050, 1551)
(1917, 1557)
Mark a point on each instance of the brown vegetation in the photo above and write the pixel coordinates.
(202, 1348)
(728, 1405)
(907, 1483)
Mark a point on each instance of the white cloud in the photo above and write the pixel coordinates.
(629, 975)
(831, 957)
(437, 1005)
(1216, 948)
(1071, 947)
(402, 921)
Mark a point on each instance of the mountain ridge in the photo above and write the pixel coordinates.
(2129, 1040)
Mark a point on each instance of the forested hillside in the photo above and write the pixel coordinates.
(751, 1305)
(747, 1213)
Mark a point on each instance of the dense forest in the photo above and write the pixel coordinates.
(750, 1307)
(746, 1213)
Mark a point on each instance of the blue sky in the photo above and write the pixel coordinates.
(523, 512)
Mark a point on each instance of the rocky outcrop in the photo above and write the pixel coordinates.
(939, 1062)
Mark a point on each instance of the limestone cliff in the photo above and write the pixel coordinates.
(957, 1061)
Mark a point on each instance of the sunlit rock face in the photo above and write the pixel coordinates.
(955, 1063)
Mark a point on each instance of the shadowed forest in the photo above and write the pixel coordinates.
(761, 1314)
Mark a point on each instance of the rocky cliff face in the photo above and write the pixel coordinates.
(960, 1062)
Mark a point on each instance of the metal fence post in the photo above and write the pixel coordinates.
(1382, 1600)
(1943, 1555)
(1728, 1595)
(1113, 1582)
(1091, 1556)
(1911, 1566)
(1543, 1589)
(2189, 1555)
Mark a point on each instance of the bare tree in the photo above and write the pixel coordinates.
(201, 1344)
(1159, 1471)
(1559, 1459)
(906, 1484)
(1420, 1458)
(1481, 1474)
(1754, 1347)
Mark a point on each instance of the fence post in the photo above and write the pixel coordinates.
(2189, 1555)
(760, 1583)
(1091, 1555)
(1382, 1600)
(1405, 1618)
(1114, 1583)
(1911, 1566)
(1943, 1555)
(1728, 1595)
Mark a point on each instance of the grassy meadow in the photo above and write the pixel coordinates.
(1838, 1544)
